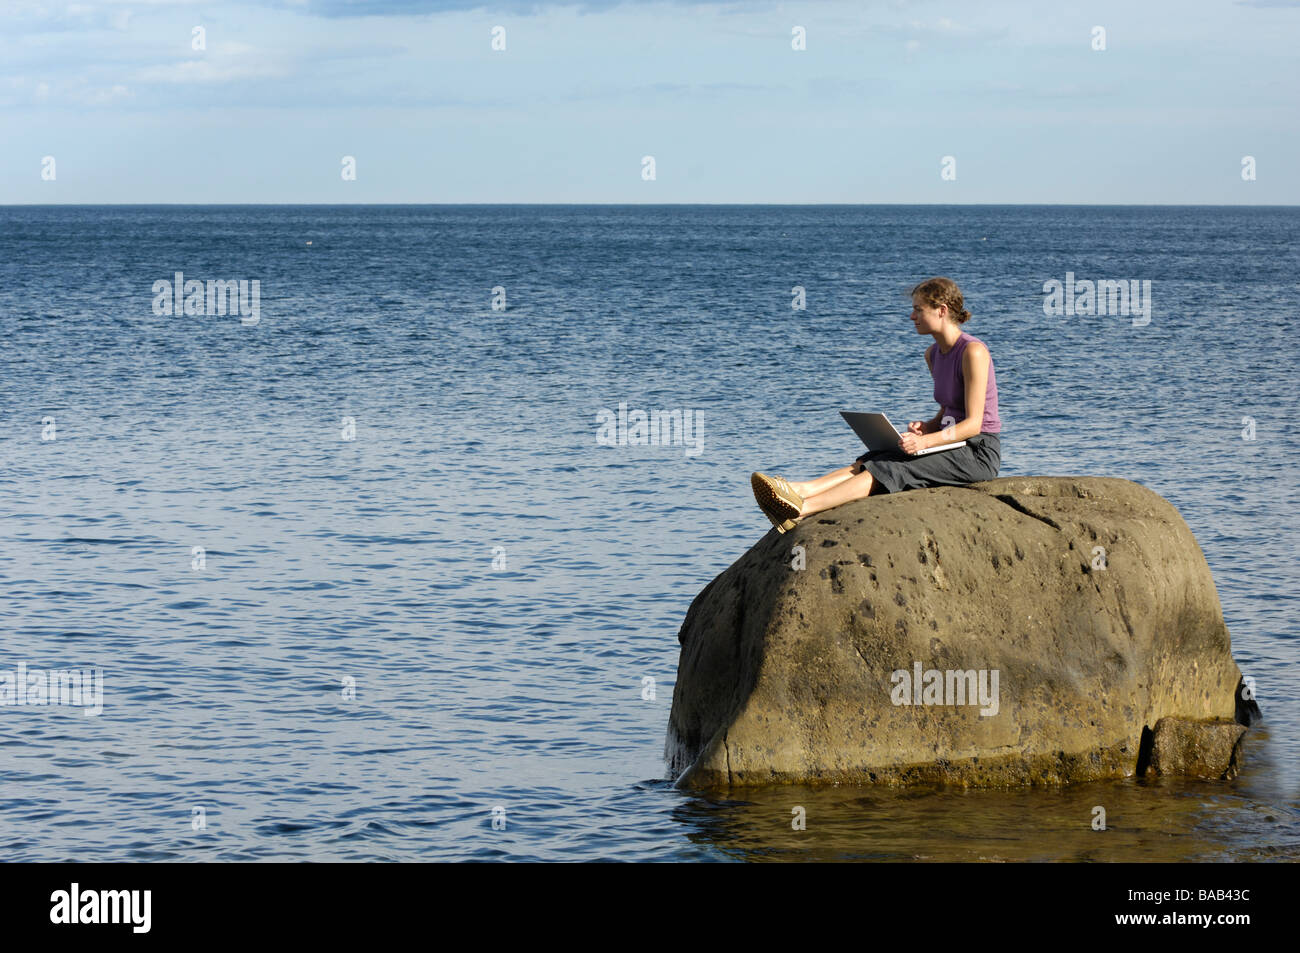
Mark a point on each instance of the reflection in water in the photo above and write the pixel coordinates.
(1157, 820)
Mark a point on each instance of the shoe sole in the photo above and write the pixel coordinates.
(782, 526)
(771, 501)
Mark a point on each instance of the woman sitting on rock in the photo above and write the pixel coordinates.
(962, 369)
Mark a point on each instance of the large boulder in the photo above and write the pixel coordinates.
(1016, 631)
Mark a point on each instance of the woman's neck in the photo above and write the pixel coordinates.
(948, 337)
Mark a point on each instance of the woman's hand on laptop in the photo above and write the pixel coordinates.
(916, 426)
(911, 441)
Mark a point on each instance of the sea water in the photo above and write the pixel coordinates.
(375, 577)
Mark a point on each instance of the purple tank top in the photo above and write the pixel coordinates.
(950, 386)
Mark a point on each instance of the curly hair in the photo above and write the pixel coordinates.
(937, 291)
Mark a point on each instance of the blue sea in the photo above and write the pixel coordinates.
(363, 584)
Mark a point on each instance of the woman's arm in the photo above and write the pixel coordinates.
(975, 369)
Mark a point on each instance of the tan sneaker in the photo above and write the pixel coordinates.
(776, 498)
(782, 526)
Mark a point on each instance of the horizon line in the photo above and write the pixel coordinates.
(649, 204)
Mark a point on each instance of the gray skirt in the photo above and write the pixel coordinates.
(895, 471)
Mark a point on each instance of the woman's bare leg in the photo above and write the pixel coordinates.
(854, 488)
(822, 484)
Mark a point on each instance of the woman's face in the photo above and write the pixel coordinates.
(928, 320)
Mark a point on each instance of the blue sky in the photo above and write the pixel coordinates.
(714, 92)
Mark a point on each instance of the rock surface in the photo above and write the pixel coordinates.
(1196, 749)
(1083, 606)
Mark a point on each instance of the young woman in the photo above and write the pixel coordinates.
(967, 393)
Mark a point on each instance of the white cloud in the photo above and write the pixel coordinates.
(225, 64)
(100, 96)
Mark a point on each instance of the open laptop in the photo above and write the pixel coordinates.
(878, 433)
